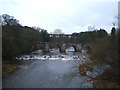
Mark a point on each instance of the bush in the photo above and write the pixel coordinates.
(104, 50)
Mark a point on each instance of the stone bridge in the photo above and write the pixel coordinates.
(45, 46)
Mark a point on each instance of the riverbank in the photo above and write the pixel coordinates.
(107, 78)
(8, 68)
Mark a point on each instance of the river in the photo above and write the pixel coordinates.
(49, 70)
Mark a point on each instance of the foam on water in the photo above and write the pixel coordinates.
(50, 57)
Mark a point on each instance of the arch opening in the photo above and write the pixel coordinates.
(70, 48)
(86, 49)
(54, 48)
(37, 49)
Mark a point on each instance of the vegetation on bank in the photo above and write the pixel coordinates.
(8, 68)
(17, 39)
(105, 50)
(108, 53)
(89, 36)
(108, 79)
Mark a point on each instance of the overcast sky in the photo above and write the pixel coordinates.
(68, 15)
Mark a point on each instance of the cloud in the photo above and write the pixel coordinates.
(68, 15)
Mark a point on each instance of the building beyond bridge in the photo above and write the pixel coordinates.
(59, 35)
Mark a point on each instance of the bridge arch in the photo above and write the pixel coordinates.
(55, 46)
(70, 46)
(86, 47)
(37, 47)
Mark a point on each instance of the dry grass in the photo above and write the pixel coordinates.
(83, 68)
(108, 79)
(7, 69)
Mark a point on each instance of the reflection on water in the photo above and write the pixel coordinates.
(49, 70)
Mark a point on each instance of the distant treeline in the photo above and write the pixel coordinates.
(89, 36)
(82, 37)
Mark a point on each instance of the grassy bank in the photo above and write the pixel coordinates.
(8, 68)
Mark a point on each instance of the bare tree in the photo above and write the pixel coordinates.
(91, 28)
(57, 31)
(37, 28)
(8, 20)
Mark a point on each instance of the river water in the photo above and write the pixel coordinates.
(49, 70)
